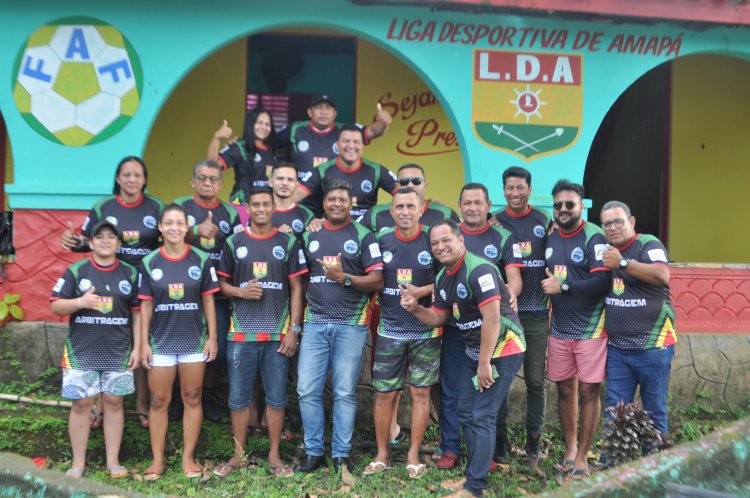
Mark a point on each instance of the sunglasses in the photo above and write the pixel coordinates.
(568, 205)
(410, 179)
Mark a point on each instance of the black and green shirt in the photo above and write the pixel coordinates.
(249, 171)
(473, 283)
(275, 259)
(379, 217)
(223, 215)
(405, 261)
(640, 315)
(572, 257)
(296, 217)
(99, 339)
(176, 286)
(327, 301)
(137, 224)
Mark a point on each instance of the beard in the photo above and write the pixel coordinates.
(572, 221)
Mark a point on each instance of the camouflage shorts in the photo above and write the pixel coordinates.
(395, 357)
(80, 384)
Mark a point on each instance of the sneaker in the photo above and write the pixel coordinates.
(447, 461)
(502, 449)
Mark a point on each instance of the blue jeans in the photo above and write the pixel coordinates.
(648, 369)
(451, 356)
(478, 415)
(340, 348)
(247, 360)
(223, 315)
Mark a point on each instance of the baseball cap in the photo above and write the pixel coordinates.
(319, 98)
(105, 224)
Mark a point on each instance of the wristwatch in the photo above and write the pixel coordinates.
(296, 328)
(624, 264)
(564, 288)
(347, 280)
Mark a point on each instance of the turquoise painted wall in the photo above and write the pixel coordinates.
(172, 37)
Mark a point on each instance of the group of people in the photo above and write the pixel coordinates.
(459, 302)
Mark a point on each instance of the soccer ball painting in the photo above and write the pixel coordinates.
(78, 81)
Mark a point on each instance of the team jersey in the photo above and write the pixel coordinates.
(640, 315)
(176, 287)
(405, 261)
(136, 223)
(495, 244)
(529, 230)
(327, 301)
(223, 215)
(274, 259)
(379, 217)
(571, 257)
(99, 339)
(249, 171)
(473, 283)
(296, 217)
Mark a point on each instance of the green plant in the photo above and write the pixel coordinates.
(9, 308)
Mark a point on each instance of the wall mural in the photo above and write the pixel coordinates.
(78, 81)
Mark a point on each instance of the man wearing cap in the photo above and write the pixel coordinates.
(314, 142)
(365, 177)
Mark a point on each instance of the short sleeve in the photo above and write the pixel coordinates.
(509, 258)
(65, 287)
(144, 284)
(595, 249)
(226, 261)
(297, 263)
(654, 252)
(438, 303)
(91, 220)
(231, 155)
(388, 180)
(210, 282)
(313, 182)
(485, 284)
(370, 253)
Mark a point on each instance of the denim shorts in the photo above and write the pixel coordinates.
(245, 361)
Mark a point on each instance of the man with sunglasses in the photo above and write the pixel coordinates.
(639, 317)
(411, 175)
(577, 280)
(212, 221)
(529, 227)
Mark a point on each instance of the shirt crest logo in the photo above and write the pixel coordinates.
(618, 286)
(525, 248)
(350, 246)
(456, 313)
(366, 186)
(269, 170)
(561, 272)
(194, 272)
(131, 236)
(260, 269)
(330, 260)
(278, 252)
(490, 251)
(104, 304)
(403, 276)
(539, 231)
(577, 255)
(176, 291)
(303, 146)
(424, 258)
(461, 291)
(149, 222)
(208, 243)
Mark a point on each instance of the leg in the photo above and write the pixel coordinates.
(420, 416)
(346, 362)
(114, 422)
(452, 354)
(384, 405)
(275, 372)
(591, 408)
(652, 369)
(191, 390)
(78, 430)
(567, 410)
(160, 382)
(312, 368)
(141, 394)
(621, 378)
(242, 367)
(535, 331)
(394, 429)
(423, 371)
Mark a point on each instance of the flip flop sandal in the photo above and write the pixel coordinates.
(563, 466)
(416, 471)
(152, 475)
(282, 471)
(97, 419)
(142, 419)
(375, 467)
(117, 472)
(576, 474)
(75, 473)
(224, 469)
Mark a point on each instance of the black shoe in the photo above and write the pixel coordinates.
(339, 462)
(174, 412)
(311, 464)
(502, 449)
(211, 412)
(533, 450)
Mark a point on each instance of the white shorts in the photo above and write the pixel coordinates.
(81, 384)
(170, 360)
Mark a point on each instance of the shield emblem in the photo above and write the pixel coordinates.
(527, 103)
(525, 248)
(269, 170)
(456, 313)
(208, 243)
(403, 276)
(176, 291)
(131, 237)
(561, 272)
(104, 304)
(260, 269)
(330, 260)
(618, 286)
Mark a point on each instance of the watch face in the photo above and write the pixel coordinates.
(347, 280)
(624, 263)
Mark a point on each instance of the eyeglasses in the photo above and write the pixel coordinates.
(410, 179)
(203, 178)
(618, 223)
(568, 205)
